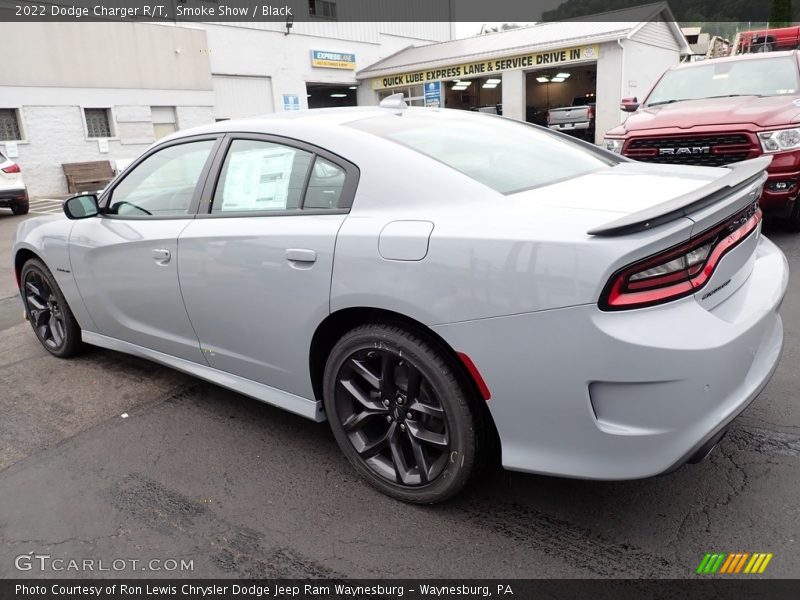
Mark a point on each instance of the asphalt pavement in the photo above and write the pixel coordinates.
(108, 457)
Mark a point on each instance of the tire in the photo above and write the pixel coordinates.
(401, 415)
(765, 47)
(48, 312)
(20, 209)
(793, 220)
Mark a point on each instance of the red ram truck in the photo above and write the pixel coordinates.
(721, 111)
(767, 40)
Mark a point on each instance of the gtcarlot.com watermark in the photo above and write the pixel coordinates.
(48, 563)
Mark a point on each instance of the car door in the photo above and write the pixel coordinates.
(125, 260)
(256, 264)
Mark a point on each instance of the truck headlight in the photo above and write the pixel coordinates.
(613, 145)
(779, 141)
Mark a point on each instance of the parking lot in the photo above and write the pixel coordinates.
(199, 473)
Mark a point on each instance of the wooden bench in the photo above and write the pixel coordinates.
(87, 176)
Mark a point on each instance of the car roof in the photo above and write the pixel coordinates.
(736, 58)
(319, 119)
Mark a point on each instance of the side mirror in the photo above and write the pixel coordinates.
(629, 104)
(81, 207)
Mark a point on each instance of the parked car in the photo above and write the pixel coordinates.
(768, 40)
(430, 282)
(13, 193)
(722, 111)
(577, 119)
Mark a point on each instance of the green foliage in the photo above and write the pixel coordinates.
(731, 11)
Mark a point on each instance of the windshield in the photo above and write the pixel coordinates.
(505, 155)
(754, 77)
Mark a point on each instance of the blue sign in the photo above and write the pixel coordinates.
(291, 102)
(433, 94)
(333, 60)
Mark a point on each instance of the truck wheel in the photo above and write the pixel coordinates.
(793, 220)
(20, 209)
(765, 47)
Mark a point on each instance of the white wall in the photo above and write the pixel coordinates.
(644, 65)
(634, 75)
(55, 134)
(286, 59)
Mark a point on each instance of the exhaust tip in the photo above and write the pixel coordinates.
(706, 448)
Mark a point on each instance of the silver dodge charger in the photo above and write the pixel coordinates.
(442, 287)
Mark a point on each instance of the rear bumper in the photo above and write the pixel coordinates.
(13, 197)
(582, 393)
(581, 126)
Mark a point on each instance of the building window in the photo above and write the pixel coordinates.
(164, 120)
(98, 123)
(413, 96)
(9, 125)
(322, 8)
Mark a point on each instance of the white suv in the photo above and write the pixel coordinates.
(13, 193)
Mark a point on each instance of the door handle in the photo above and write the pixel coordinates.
(301, 255)
(162, 256)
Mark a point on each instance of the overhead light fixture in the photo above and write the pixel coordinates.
(563, 75)
(489, 86)
(493, 80)
(338, 95)
(353, 87)
(557, 80)
(543, 79)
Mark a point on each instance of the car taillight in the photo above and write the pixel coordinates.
(547, 116)
(12, 169)
(680, 270)
(590, 112)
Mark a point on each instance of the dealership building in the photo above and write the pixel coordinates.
(97, 91)
(524, 72)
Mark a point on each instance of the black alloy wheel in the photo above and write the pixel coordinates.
(48, 312)
(400, 414)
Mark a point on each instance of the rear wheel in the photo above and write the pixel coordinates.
(48, 311)
(765, 47)
(401, 415)
(20, 209)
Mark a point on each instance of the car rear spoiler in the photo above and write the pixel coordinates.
(740, 175)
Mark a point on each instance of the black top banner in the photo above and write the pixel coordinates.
(512, 11)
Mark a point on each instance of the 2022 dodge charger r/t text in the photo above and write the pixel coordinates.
(430, 282)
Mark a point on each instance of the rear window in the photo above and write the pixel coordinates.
(505, 155)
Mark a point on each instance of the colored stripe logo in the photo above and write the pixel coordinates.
(734, 563)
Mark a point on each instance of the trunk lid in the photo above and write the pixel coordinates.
(650, 208)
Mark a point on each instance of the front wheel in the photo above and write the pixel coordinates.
(48, 311)
(793, 220)
(400, 413)
(20, 209)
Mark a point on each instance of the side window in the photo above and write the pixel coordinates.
(259, 176)
(325, 185)
(162, 184)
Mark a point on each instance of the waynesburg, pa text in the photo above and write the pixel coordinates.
(258, 591)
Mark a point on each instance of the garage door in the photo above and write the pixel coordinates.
(241, 96)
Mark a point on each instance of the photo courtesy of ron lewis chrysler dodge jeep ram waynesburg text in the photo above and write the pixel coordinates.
(431, 282)
(721, 111)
